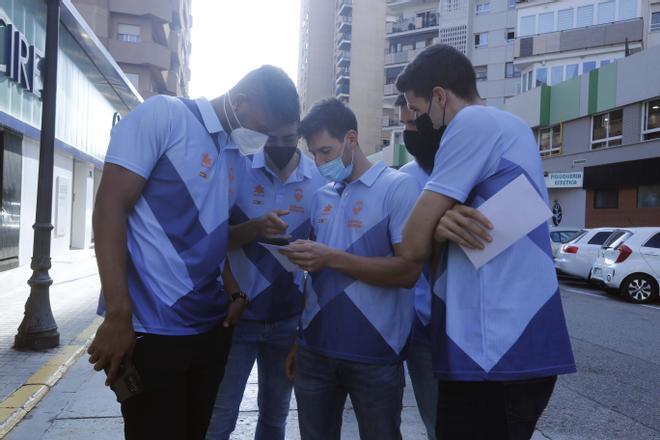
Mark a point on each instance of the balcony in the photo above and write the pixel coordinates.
(343, 75)
(342, 91)
(344, 24)
(344, 7)
(161, 10)
(393, 59)
(344, 41)
(144, 53)
(588, 37)
(343, 58)
(390, 90)
(412, 25)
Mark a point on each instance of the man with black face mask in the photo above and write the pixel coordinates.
(273, 185)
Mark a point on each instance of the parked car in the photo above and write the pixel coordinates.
(560, 236)
(577, 257)
(630, 262)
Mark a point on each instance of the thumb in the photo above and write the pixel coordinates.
(282, 212)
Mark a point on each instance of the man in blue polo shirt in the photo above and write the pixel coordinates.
(276, 187)
(359, 302)
(499, 334)
(160, 224)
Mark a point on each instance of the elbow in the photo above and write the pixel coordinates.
(411, 276)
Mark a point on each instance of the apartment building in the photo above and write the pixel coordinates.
(149, 39)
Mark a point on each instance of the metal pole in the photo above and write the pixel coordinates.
(38, 330)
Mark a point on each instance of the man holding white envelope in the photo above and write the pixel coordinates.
(500, 336)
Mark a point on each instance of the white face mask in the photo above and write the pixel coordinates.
(248, 141)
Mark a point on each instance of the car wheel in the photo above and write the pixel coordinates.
(639, 288)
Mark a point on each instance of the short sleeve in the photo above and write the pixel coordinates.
(467, 154)
(139, 140)
(400, 203)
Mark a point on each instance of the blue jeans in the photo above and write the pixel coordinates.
(268, 344)
(424, 384)
(322, 384)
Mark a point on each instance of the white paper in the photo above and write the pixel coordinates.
(282, 259)
(515, 211)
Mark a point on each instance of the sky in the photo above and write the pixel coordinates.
(231, 37)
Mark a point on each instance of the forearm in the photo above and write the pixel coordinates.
(418, 233)
(228, 281)
(112, 258)
(392, 271)
(242, 234)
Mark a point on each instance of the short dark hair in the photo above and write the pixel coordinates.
(331, 115)
(272, 86)
(439, 65)
(400, 101)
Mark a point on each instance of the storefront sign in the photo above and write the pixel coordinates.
(19, 60)
(564, 180)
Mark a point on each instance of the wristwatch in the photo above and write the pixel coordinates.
(240, 294)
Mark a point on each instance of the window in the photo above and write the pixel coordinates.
(585, 16)
(524, 82)
(607, 129)
(556, 75)
(604, 63)
(541, 76)
(600, 237)
(655, 22)
(572, 71)
(481, 72)
(128, 33)
(527, 25)
(606, 12)
(627, 9)
(482, 6)
(588, 66)
(651, 126)
(511, 71)
(529, 81)
(481, 40)
(654, 242)
(512, 4)
(546, 22)
(510, 34)
(648, 196)
(550, 141)
(605, 199)
(565, 19)
(134, 78)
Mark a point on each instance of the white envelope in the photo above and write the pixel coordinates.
(282, 259)
(515, 211)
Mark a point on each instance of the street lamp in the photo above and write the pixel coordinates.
(38, 330)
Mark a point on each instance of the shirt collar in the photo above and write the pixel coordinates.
(209, 116)
(304, 166)
(369, 177)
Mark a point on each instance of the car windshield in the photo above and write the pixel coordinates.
(616, 239)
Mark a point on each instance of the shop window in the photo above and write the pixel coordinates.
(651, 127)
(128, 33)
(648, 196)
(511, 71)
(550, 141)
(607, 129)
(481, 73)
(606, 199)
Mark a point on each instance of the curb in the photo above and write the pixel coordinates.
(18, 404)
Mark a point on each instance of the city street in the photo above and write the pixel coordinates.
(613, 396)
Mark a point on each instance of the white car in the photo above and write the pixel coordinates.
(630, 262)
(560, 236)
(577, 257)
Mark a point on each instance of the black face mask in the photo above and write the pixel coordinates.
(281, 156)
(424, 144)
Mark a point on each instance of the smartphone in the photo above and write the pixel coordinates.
(127, 383)
(277, 241)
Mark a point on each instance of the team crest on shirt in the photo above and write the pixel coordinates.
(357, 209)
(298, 194)
(324, 213)
(259, 192)
(207, 163)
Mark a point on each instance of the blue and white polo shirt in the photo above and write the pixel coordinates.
(421, 324)
(177, 231)
(345, 318)
(275, 294)
(504, 321)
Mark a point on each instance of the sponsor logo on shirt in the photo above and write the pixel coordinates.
(324, 212)
(357, 209)
(207, 163)
(297, 208)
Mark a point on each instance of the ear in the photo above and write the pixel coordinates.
(440, 95)
(352, 138)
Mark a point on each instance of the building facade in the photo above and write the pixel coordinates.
(599, 136)
(93, 93)
(149, 39)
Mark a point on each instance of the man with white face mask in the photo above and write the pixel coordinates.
(359, 302)
(161, 232)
